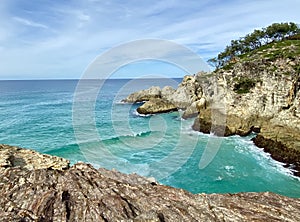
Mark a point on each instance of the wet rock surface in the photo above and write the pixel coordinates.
(83, 193)
(282, 147)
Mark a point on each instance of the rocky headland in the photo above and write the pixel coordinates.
(37, 187)
(256, 92)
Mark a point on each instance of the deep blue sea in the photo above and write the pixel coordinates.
(42, 115)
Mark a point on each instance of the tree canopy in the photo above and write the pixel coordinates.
(273, 33)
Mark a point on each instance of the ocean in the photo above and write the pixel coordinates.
(49, 116)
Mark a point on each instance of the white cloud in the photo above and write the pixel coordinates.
(29, 23)
(83, 17)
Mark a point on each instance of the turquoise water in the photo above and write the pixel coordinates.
(38, 115)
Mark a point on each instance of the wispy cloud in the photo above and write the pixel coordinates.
(30, 23)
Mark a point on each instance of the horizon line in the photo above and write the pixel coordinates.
(83, 79)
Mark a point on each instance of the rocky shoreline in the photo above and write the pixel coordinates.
(37, 187)
(252, 95)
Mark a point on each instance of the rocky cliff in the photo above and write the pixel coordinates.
(259, 92)
(36, 187)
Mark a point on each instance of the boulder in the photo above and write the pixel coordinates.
(191, 111)
(11, 156)
(194, 109)
(167, 92)
(156, 105)
(143, 95)
(282, 143)
(185, 94)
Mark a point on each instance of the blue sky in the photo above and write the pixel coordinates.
(60, 38)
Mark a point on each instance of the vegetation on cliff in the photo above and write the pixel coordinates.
(261, 85)
(243, 85)
(274, 33)
(280, 56)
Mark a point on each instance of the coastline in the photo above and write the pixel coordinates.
(252, 94)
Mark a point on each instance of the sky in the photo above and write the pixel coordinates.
(58, 39)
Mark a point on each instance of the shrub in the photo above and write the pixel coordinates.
(243, 85)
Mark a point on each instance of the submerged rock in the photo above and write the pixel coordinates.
(83, 193)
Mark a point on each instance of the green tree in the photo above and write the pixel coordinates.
(254, 40)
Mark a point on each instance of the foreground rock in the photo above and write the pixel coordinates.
(17, 157)
(82, 193)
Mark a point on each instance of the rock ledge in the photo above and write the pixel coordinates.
(83, 193)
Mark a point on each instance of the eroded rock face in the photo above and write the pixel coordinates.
(261, 96)
(156, 105)
(282, 143)
(193, 110)
(83, 193)
(187, 96)
(144, 95)
(11, 156)
(166, 92)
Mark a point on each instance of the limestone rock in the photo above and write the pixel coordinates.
(156, 105)
(143, 95)
(166, 92)
(11, 156)
(282, 143)
(194, 109)
(185, 94)
(83, 193)
(191, 111)
(271, 106)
